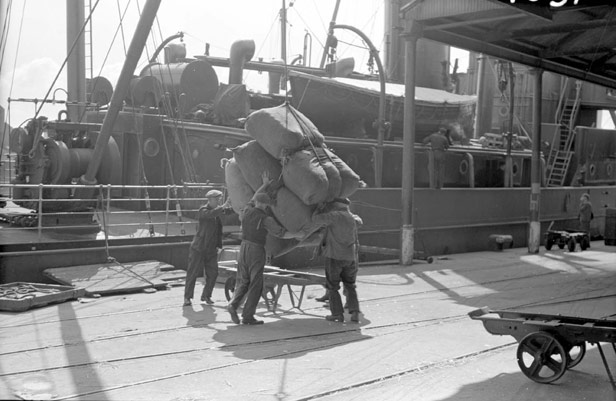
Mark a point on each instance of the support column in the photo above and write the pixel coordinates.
(408, 152)
(534, 231)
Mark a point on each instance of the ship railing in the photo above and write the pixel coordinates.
(150, 210)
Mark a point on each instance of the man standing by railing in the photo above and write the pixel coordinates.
(203, 256)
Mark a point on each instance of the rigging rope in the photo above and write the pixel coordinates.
(66, 59)
(121, 15)
(100, 71)
(5, 34)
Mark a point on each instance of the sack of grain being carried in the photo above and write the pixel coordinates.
(310, 170)
(290, 211)
(239, 191)
(282, 130)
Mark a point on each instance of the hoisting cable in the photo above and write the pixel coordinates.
(164, 138)
(178, 208)
(111, 259)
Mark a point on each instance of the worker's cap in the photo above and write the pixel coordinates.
(263, 198)
(214, 193)
(585, 196)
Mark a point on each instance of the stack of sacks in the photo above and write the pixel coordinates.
(291, 150)
(309, 169)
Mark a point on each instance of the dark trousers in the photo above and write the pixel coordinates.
(249, 279)
(205, 263)
(344, 271)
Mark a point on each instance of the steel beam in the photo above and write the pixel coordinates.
(408, 151)
(534, 231)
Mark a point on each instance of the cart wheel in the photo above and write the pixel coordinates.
(575, 354)
(571, 245)
(584, 243)
(549, 243)
(561, 245)
(229, 288)
(541, 357)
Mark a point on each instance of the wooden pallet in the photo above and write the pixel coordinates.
(114, 277)
(21, 296)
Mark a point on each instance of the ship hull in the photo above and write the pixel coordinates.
(446, 221)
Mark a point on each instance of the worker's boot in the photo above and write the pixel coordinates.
(335, 318)
(355, 317)
(233, 313)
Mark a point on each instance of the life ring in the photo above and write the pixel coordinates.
(463, 169)
(151, 147)
(592, 170)
(503, 111)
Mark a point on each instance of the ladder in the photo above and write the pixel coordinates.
(560, 152)
(88, 41)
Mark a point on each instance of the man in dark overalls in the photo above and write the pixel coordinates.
(256, 224)
(203, 256)
(339, 247)
(439, 142)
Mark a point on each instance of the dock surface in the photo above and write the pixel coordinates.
(414, 341)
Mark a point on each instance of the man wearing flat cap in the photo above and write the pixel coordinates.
(203, 256)
(339, 247)
(256, 224)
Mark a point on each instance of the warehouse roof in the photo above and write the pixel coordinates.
(573, 38)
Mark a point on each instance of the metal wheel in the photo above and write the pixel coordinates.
(575, 354)
(584, 243)
(229, 288)
(571, 245)
(549, 243)
(541, 357)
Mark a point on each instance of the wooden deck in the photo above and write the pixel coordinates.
(414, 338)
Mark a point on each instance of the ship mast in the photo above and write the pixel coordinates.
(76, 65)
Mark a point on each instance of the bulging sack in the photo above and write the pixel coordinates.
(291, 212)
(239, 190)
(349, 179)
(253, 160)
(312, 176)
(282, 130)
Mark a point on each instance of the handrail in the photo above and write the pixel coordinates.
(119, 220)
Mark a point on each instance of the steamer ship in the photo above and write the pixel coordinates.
(124, 168)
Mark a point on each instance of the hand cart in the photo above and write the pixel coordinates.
(568, 238)
(274, 280)
(549, 344)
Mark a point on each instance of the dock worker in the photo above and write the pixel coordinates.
(339, 247)
(439, 142)
(585, 213)
(256, 224)
(203, 254)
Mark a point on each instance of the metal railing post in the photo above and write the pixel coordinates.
(167, 212)
(40, 212)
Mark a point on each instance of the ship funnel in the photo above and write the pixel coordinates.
(241, 51)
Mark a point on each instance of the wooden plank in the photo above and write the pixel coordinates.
(113, 277)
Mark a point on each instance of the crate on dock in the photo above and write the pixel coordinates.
(21, 296)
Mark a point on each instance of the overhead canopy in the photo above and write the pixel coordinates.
(574, 40)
